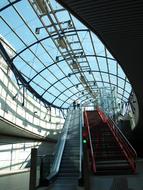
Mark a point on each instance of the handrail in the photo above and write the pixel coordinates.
(81, 147)
(25, 160)
(124, 138)
(90, 143)
(128, 151)
(59, 149)
(124, 144)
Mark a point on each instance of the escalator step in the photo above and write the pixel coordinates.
(66, 174)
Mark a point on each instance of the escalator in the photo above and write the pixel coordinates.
(107, 151)
(68, 174)
(111, 152)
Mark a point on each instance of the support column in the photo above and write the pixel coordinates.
(33, 172)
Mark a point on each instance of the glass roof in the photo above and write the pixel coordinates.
(58, 56)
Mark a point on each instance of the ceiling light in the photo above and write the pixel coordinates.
(42, 6)
(87, 88)
(62, 43)
(82, 79)
(69, 24)
(57, 58)
(74, 65)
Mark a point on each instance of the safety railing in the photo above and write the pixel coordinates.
(126, 147)
(86, 123)
(81, 125)
(25, 161)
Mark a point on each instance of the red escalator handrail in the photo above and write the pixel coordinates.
(128, 150)
(90, 142)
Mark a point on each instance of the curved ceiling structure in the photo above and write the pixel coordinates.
(56, 57)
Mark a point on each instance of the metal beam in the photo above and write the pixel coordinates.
(10, 4)
(56, 62)
(50, 36)
(20, 77)
(83, 90)
(80, 83)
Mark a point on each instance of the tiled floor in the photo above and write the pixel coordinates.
(15, 182)
(123, 182)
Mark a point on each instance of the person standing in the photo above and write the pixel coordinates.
(74, 104)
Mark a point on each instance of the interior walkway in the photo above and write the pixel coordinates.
(15, 182)
(124, 182)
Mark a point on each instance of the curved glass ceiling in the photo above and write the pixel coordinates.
(58, 56)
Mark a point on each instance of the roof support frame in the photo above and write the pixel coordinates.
(91, 98)
(10, 4)
(93, 81)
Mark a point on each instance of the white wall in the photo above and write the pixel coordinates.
(33, 116)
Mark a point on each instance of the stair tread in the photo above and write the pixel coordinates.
(112, 162)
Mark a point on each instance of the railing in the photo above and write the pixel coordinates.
(90, 141)
(45, 167)
(25, 161)
(128, 150)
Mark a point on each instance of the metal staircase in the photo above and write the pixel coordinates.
(112, 152)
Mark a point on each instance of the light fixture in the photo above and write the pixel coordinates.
(82, 79)
(87, 88)
(84, 141)
(62, 43)
(76, 85)
(74, 65)
(37, 31)
(42, 6)
(69, 24)
(57, 58)
(81, 53)
(14, 96)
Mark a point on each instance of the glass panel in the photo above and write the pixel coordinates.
(56, 56)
